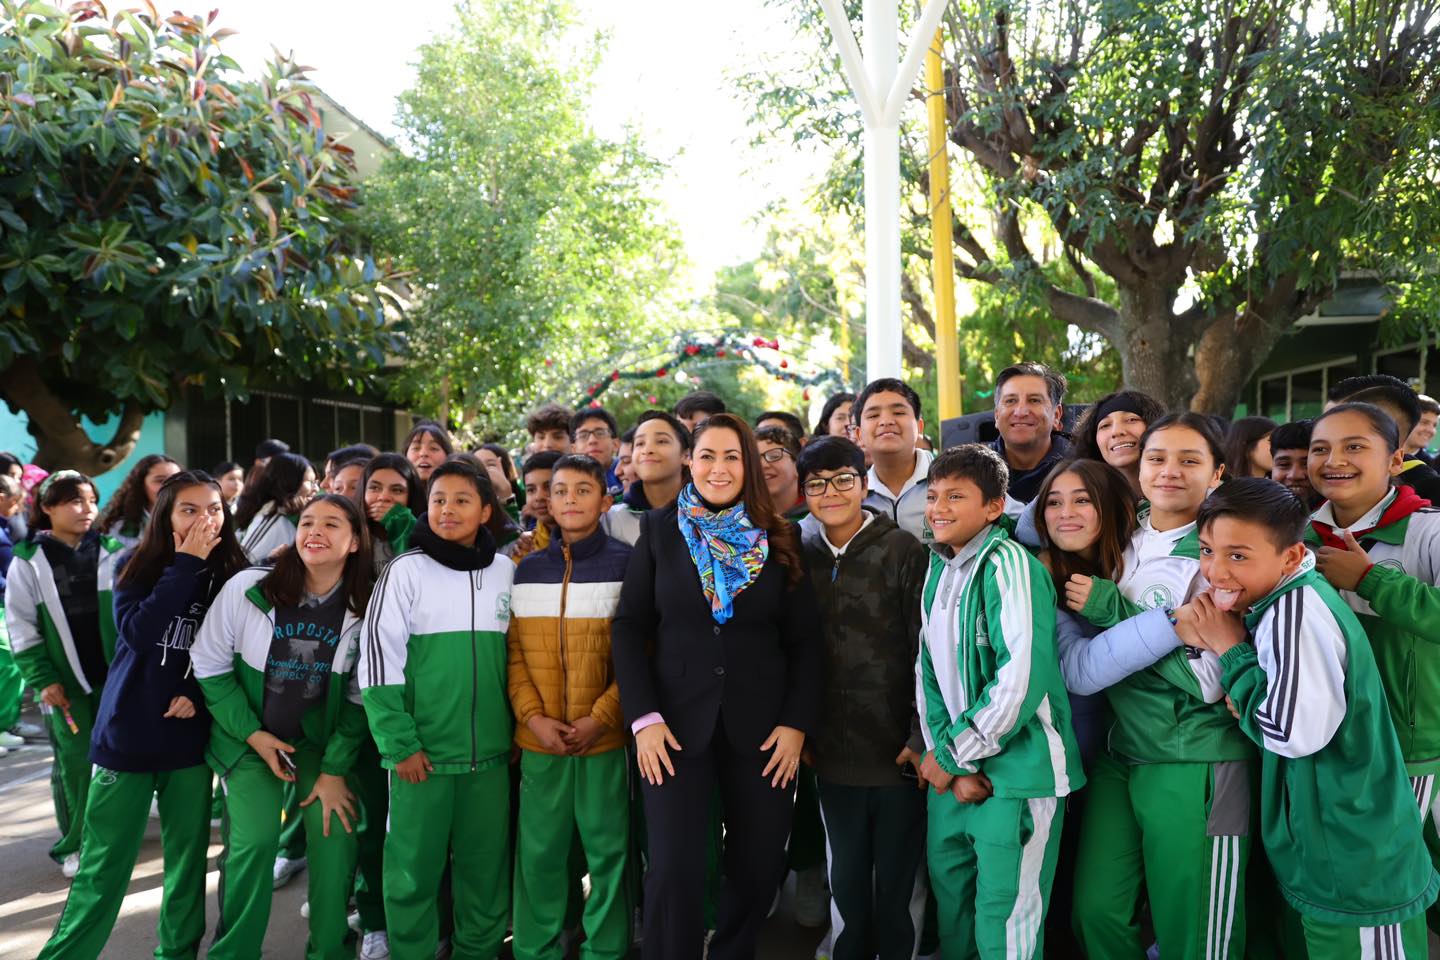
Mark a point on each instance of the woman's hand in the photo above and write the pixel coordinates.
(1077, 591)
(376, 511)
(650, 753)
(54, 695)
(785, 761)
(199, 540)
(270, 748)
(181, 708)
(335, 798)
(415, 768)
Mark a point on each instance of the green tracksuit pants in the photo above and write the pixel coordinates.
(1398, 941)
(70, 770)
(115, 820)
(461, 816)
(991, 866)
(1179, 833)
(251, 831)
(562, 798)
(371, 785)
(12, 684)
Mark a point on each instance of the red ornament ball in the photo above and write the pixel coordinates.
(719, 353)
(758, 341)
(661, 372)
(784, 364)
(591, 391)
(614, 374)
(805, 394)
(691, 350)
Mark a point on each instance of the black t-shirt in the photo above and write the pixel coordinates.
(77, 581)
(298, 667)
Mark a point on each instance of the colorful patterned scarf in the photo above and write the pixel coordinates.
(726, 547)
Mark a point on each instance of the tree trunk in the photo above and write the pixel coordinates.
(1154, 346)
(61, 442)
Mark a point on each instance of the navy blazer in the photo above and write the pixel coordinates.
(758, 670)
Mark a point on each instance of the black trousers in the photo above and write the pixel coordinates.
(677, 817)
(876, 838)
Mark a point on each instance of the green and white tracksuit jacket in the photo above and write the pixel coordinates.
(229, 658)
(269, 530)
(1398, 603)
(433, 669)
(1337, 813)
(1171, 712)
(40, 636)
(989, 688)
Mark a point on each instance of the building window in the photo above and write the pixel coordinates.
(1300, 394)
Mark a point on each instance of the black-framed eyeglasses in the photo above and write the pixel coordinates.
(843, 483)
(774, 454)
(599, 433)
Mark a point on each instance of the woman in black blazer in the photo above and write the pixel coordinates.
(716, 645)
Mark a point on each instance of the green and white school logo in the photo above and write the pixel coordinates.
(502, 607)
(105, 778)
(1157, 597)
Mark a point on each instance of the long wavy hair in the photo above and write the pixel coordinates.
(784, 545)
(280, 484)
(128, 504)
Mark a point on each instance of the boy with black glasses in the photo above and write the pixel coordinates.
(868, 575)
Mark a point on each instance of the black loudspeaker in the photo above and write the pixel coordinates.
(980, 427)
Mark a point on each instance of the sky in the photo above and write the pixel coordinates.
(666, 74)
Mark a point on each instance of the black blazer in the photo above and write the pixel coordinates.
(760, 669)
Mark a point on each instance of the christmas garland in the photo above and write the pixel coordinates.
(729, 347)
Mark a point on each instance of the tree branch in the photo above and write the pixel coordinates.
(60, 440)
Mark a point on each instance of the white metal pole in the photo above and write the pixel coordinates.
(882, 197)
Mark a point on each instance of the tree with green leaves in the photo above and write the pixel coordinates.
(165, 221)
(536, 245)
(1216, 165)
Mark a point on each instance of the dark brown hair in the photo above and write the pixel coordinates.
(280, 484)
(128, 503)
(1114, 501)
(52, 492)
(756, 496)
(1240, 443)
(1144, 406)
(437, 433)
(284, 586)
(156, 549)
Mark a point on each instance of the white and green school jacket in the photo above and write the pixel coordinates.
(988, 683)
(40, 636)
(1337, 813)
(267, 531)
(1398, 604)
(229, 658)
(433, 669)
(1170, 712)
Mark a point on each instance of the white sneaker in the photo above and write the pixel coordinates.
(305, 909)
(375, 946)
(812, 898)
(353, 921)
(10, 740)
(285, 870)
(3, 751)
(70, 866)
(30, 731)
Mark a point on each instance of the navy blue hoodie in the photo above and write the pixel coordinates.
(151, 667)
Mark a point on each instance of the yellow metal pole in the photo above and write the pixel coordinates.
(947, 342)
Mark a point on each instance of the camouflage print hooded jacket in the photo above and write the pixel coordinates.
(869, 598)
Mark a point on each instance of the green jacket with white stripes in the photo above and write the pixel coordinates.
(989, 687)
(1340, 820)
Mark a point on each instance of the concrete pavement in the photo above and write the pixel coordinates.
(32, 889)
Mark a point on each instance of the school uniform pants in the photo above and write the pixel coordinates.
(70, 769)
(875, 842)
(115, 821)
(12, 684)
(991, 866)
(459, 818)
(250, 829)
(757, 823)
(1179, 832)
(562, 798)
(372, 786)
(1398, 941)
